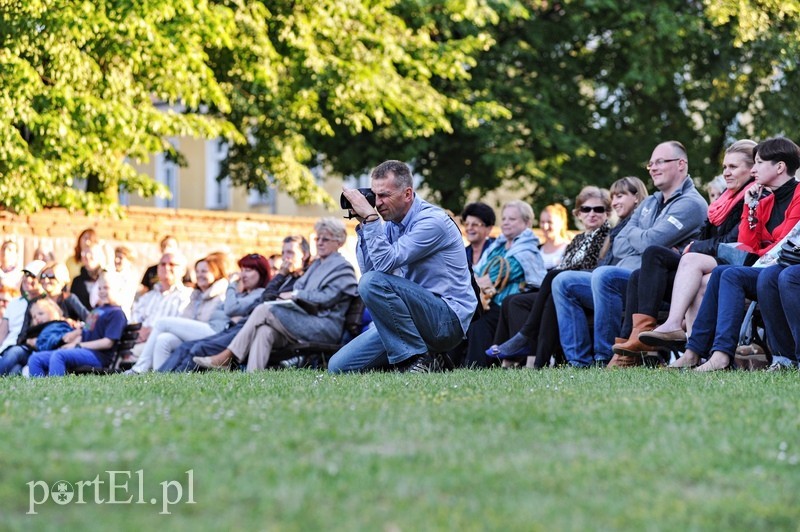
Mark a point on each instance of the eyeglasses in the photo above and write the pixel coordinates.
(474, 224)
(47, 276)
(585, 209)
(323, 240)
(659, 162)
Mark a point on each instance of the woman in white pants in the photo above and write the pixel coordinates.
(214, 302)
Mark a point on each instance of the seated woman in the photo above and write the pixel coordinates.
(319, 301)
(553, 222)
(92, 346)
(667, 275)
(92, 263)
(764, 223)
(517, 247)
(777, 290)
(537, 337)
(294, 260)
(203, 316)
(54, 279)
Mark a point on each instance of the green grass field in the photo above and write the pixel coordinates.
(299, 450)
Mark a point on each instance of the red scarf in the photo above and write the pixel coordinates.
(720, 209)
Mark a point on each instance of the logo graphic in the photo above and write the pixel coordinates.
(62, 492)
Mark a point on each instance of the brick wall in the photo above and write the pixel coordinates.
(198, 232)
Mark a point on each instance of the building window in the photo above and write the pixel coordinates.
(259, 199)
(218, 192)
(167, 174)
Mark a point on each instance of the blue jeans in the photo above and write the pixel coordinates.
(55, 363)
(609, 288)
(778, 290)
(14, 359)
(572, 294)
(409, 320)
(180, 360)
(722, 311)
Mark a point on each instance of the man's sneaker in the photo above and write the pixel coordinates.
(418, 364)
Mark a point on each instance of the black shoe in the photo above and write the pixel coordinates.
(294, 362)
(417, 364)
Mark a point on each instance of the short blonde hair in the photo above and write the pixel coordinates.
(50, 306)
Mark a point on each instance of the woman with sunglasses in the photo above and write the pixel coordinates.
(533, 315)
(667, 274)
(54, 279)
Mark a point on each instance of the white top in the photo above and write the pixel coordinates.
(551, 260)
(15, 315)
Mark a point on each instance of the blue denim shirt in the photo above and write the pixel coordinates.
(426, 248)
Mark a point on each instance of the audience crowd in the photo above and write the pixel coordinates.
(658, 280)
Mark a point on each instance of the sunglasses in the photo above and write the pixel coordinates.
(586, 209)
(47, 276)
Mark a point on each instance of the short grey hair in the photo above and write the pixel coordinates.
(334, 226)
(400, 171)
(525, 210)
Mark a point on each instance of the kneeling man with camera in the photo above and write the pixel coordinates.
(415, 283)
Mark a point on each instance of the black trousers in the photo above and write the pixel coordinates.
(651, 286)
(479, 338)
(534, 315)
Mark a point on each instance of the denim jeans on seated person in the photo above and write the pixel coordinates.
(778, 290)
(609, 288)
(409, 320)
(180, 360)
(722, 310)
(55, 363)
(14, 359)
(572, 296)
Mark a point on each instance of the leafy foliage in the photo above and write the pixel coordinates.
(540, 96)
(83, 86)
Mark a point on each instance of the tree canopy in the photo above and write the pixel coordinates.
(477, 94)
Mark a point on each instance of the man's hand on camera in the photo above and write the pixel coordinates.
(361, 207)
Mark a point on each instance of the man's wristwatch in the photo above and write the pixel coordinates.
(78, 345)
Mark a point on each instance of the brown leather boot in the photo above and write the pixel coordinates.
(632, 346)
(625, 361)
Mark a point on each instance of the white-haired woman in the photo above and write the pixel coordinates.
(513, 261)
(320, 298)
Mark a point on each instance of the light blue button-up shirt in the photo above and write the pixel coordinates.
(425, 247)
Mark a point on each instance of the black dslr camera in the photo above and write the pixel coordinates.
(345, 203)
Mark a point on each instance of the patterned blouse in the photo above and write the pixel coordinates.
(583, 252)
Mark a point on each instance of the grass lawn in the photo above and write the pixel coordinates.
(508, 450)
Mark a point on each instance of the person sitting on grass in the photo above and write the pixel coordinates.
(321, 298)
(93, 345)
(295, 256)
